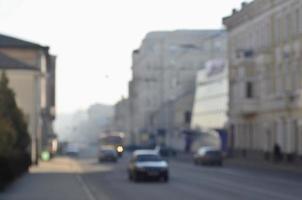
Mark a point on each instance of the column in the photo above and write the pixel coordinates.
(280, 133)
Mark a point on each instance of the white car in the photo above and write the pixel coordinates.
(107, 154)
(147, 164)
(72, 150)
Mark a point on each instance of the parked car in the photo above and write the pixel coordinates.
(107, 154)
(208, 156)
(166, 151)
(72, 150)
(147, 164)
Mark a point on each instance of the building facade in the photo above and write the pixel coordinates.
(164, 71)
(121, 118)
(211, 97)
(210, 110)
(265, 67)
(41, 100)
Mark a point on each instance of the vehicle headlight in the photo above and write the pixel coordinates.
(119, 149)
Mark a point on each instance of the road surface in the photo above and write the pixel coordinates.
(90, 180)
(188, 182)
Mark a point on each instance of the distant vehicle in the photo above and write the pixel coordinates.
(107, 154)
(166, 151)
(115, 140)
(208, 156)
(147, 164)
(134, 147)
(71, 150)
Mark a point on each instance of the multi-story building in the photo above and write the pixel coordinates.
(164, 70)
(265, 67)
(209, 116)
(211, 87)
(121, 118)
(35, 92)
(211, 97)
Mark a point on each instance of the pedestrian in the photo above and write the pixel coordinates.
(277, 153)
(188, 141)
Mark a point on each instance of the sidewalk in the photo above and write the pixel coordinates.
(249, 163)
(53, 180)
(263, 164)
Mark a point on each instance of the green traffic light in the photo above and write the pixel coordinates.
(45, 156)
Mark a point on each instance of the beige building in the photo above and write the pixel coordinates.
(32, 77)
(164, 70)
(265, 67)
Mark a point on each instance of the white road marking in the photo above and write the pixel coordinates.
(85, 188)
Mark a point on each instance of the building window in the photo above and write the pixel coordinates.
(277, 30)
(249, 90)
(288, 27)
(300, 18)
(297, 22)
(187, 117)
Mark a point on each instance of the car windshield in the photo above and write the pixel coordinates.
(213, 153)
(148, 158)
(107, 151)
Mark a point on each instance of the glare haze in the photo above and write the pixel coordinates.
(93, 39)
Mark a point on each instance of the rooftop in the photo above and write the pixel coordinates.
(8, 41)
(7, 62)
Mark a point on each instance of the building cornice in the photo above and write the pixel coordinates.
(250, 11)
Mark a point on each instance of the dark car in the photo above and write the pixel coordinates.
(208, 156)
(147, 164)
(166, 151)
(134, 147)
(107, 154)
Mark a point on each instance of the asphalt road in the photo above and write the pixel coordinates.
(86, 179)
(109, 181)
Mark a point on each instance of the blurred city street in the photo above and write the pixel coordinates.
(203, 96)
(84, 178)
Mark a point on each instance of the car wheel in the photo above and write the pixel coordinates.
(166, 178)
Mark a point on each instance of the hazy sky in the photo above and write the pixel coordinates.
(93, 39)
